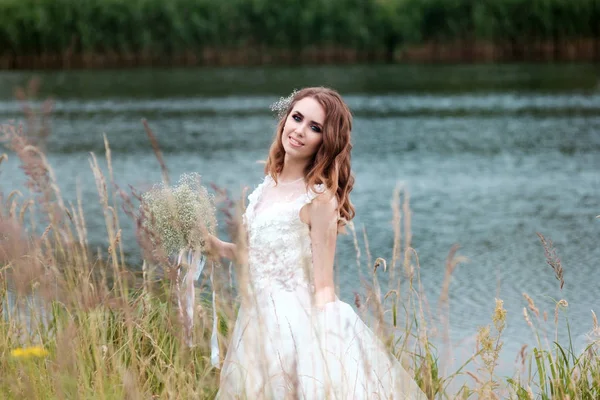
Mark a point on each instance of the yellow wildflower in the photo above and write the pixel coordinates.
(27, 352)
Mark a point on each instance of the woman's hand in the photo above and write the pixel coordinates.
(216, 248)
(212, 245)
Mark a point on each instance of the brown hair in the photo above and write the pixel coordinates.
(331, 164)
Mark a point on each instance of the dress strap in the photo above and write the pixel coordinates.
(312, 193)
(253, 198)
(256, 193)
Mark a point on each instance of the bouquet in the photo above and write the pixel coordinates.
(180, 214)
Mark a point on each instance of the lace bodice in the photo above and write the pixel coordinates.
(279, 254)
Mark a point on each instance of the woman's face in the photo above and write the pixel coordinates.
(303, 130)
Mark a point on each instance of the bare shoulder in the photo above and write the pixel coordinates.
(323, 209)
(324, 202)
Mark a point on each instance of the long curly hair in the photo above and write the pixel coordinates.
(331, 164)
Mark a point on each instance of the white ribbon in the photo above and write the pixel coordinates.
(194, 271)
(214, 343)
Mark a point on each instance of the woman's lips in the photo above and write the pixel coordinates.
(294, 142)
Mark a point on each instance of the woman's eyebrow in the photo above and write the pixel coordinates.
(312, 122)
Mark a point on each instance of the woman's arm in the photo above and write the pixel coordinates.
(220, 248)
(323, 219)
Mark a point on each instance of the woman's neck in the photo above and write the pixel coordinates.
(292, 171)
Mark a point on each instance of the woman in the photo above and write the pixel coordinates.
(293, 337)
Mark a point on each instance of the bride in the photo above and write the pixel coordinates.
(293, 337)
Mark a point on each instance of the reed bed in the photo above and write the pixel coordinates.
(79, 323)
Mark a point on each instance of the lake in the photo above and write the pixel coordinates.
(490, 154)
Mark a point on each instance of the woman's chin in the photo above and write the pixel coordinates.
(292, 151)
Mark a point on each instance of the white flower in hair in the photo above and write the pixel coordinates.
(281, 106)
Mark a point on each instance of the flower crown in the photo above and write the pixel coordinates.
(283, 104)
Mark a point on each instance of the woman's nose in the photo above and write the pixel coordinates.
(299, 130)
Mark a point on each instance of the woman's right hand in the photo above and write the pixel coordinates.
(216, 248)
(212, 244)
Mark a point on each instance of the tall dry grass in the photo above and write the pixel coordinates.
(90, 326)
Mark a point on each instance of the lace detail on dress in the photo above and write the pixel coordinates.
(329, 353)
(280, 254)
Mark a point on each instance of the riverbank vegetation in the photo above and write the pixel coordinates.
(84, 33)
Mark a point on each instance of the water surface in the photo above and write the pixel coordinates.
(490, 155)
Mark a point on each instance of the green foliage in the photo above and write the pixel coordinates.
(171, 27)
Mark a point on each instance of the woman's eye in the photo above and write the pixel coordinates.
(296, 118)
(316, 128)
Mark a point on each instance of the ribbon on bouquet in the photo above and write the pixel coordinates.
(195, 267)
(214, 343)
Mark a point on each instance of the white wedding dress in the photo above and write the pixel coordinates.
(282, 347)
